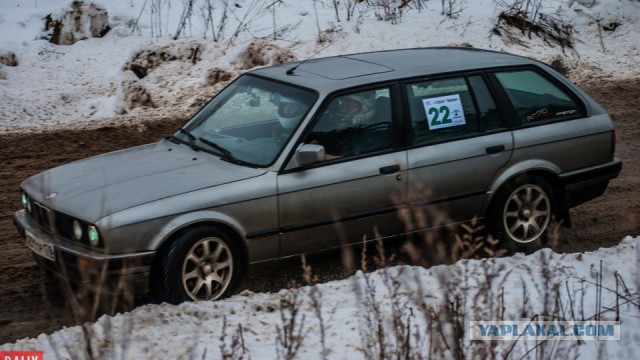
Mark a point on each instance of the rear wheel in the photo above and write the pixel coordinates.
(522, 213)
(203, 263)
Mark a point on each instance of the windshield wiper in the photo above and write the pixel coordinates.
(226, 154)
(192, 139)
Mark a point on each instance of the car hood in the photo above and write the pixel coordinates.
(93, 188)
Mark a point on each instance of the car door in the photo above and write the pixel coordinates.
(357, 190)
(460, 141)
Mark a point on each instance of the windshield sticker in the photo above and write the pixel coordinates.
(568, 112)
(444, 111)
(542, 113)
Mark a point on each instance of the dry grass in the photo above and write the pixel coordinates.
(399, 315)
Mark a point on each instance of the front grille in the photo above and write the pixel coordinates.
(42, 215)
(54, 222)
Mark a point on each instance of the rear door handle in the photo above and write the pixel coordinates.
(495, 149)
(391, 169)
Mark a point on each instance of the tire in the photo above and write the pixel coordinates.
(522, 213)
(203, 263)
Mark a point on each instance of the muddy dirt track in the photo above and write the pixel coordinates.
(30, 305)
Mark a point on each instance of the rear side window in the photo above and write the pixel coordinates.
(535, 98)
(450, 108)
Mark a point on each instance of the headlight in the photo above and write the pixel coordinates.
(26, 202)
(94, 238)
(84, 232)
(77, 230)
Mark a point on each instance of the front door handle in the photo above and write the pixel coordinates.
(391, 169)
(495, 149)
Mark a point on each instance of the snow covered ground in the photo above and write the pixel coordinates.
(88, 84)
(349, 312)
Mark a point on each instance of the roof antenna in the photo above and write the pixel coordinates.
(291, 70)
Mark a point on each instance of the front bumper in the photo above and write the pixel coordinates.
(75, 261)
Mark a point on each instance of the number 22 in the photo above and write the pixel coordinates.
(436, 112)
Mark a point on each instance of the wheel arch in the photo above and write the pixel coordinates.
(170, 236)
(547, 171)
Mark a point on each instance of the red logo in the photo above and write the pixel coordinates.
(21, 355)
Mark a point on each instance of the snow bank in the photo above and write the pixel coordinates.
(514, 288)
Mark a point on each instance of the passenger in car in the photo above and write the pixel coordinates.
(346, 127)
(355, 109)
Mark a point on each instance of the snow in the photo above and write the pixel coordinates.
(87, 83)
(68, 85)
(349, 316)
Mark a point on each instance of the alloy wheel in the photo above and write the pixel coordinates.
(526, 213)
(207, 269)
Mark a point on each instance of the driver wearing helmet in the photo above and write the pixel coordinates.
(290, 111)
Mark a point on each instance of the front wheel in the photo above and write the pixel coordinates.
(203, 263)
(522, 213)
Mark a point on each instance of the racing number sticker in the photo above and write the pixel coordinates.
(444, 111)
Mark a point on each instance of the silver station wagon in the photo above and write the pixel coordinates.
(315, 155)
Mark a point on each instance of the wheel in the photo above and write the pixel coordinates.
(203, 263)
(522, 212)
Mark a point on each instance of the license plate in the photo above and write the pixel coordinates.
(40, 247)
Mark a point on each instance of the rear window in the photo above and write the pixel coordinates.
(535, 98)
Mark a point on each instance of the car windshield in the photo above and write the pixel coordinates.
(248, 122)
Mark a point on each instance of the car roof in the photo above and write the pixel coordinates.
(338, 72)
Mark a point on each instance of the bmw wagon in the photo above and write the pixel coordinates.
(314, 155)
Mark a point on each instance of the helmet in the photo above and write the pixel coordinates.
(355, 109)
(290, 111)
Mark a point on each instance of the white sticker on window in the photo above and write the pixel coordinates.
(444, 111)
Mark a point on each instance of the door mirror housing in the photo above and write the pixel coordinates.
(308, 154)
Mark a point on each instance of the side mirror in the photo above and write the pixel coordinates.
(308, 154)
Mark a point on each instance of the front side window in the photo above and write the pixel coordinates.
(354, 124)
(535, 98)
(446, 108)
(250, 121)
